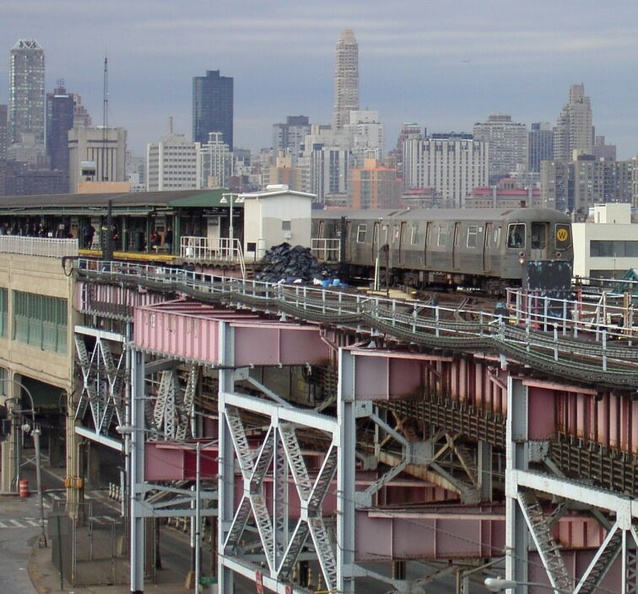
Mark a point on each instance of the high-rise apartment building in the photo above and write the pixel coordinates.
(374, 185)
(171, 163)
(26, 91)
(4, 132)
(289, 137)
(346, 79)
(213, 107)
(60, 107)
(366, 132)
(540, 146)
(214, 162)
(507, 144)
(449, 164)
(574, 130)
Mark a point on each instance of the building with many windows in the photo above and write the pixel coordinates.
(26, 91)
(540, 145)
(346, 81)
(574, 130)
(213, 107)
(171, 164)
(374, 185)
(60, 109)
(214, 162)
(508, 144)
(450, 164)
(576, 186)
(96, 155)
(289, 137)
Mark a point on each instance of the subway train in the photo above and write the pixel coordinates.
(483, 249)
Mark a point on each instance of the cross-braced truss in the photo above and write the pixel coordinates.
(101, 357)
(278, 457)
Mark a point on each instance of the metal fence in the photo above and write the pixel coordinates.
(38, 246)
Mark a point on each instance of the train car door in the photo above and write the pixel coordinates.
(404, 237)
(427, 244)
(376, 229)
(456, 241)
(487, 248)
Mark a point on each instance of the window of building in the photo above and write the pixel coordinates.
(40, 321)
(613, 249)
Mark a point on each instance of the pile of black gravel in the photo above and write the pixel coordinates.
(287, 264)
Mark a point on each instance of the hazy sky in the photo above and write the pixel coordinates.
(444, 64)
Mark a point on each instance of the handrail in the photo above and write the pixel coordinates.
(605, 362)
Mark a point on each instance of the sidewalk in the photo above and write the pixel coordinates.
(46, 578)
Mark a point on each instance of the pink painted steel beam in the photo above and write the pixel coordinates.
(191, 331)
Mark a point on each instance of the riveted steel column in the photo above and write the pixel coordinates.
(136, 476)
(516, 451)
(226, 484)
(346, 473)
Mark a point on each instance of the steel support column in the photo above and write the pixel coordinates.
(136, 476)
(346, 468)
(516, 452)
(226, 482)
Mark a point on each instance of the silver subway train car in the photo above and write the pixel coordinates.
(486, 249)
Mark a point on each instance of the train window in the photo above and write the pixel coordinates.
(516, 235)
(472, 236)
(362, 231)
(497, 237)
(414, 234)
(441, 239)
(539, 236)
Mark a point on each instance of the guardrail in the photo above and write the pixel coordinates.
(38, 246)
(540, 343)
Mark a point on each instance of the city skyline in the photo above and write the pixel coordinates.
(445, 67)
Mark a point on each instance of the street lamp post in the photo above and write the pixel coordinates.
(501, 584)
(35, 432)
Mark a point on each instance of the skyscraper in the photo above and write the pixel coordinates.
(213, 107)
(59, 117)
(574, 130)
(541, 145)
(26, 91)
(346, 79)
(289, 137)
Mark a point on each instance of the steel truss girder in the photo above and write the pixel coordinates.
(525, 489)
(279, 454)
(102, 372)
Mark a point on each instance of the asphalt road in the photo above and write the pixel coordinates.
(19, 529)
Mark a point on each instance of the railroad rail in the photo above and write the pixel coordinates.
(542, 344)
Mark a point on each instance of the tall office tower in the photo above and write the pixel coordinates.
(4, 132)
(289, 137)
(450, 164)
(213, 107)
(346, 79)
(26, 91)
(540, 145)
(574, 130)
(171, 163)
(60, 109)
(508, 144)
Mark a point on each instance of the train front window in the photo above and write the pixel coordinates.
(516, 235)
(539, 236)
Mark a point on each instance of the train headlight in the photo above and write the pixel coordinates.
(521, 257)
(559, 254)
